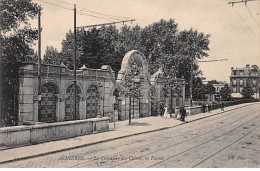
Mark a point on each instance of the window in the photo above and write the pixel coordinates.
(234, 89)
(235, 72)
(241, 73)
(241, 82)
(234, 82)
(254, 81)
(241, 89)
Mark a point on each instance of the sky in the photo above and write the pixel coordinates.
(235, 31)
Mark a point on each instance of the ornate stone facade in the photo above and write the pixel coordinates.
(97, 91)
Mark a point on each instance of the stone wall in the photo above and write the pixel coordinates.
(60, 79)
(98, 92)
(26, 135)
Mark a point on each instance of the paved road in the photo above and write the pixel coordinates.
(231, 139)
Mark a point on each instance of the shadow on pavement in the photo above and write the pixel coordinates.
(139, 124)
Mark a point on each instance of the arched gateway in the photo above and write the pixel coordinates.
(134, 77)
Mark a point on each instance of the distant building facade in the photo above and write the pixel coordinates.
(219, 86)
(240, 76)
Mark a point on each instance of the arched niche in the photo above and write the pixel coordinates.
(92, 101)
(48, 103)
(69, 102)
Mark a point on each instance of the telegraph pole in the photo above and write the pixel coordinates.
(75, 81)
(242, 1)
(39, 64)
(191, 78)
(104, 24)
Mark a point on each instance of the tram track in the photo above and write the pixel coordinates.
(156, 143)
(197, 164)
(217, 121)
(173, 145)
(163, 162)
(153, 143)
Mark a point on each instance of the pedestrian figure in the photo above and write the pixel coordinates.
(161, 109)
(166, 115)
(180, 112)
(209, 107)
(183, 114)
(203, 107)
(213, 105)
(222, 106)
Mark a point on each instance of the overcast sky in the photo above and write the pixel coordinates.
(235, 31)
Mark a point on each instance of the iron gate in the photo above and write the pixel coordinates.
(48, 104)
(69, 104)
(92, 102)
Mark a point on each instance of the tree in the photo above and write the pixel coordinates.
(225, 93)
(52, 56)
(198, 89)
(132, 87)
(161, 42)
(210, 89)
(247, 92)
(16, 48)
(67, 50)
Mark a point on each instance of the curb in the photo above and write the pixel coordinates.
(110, 139)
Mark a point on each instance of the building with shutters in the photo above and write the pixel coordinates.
(241, 76)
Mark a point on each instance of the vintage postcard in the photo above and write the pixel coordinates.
(130, 84)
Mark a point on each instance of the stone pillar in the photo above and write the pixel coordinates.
(183, 94)
(174, 102)
(106, 101)
(82, 108)
(28, 103)
(143, 99)
(123, 108)
(159, 99)
(137, 107)
(126, 116)
(168, 104)
(35, 109)
(62, 109)
(57, 108)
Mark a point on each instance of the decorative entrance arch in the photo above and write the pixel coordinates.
(48, 104)
(135, 77)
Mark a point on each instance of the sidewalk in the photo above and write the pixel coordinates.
(149, 124)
